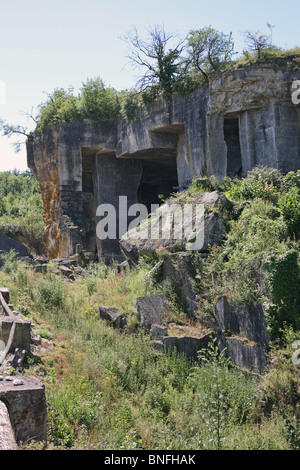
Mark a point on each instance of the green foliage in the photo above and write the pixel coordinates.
(50, 293)
(131, 103)
(289, 207)
(9, 263)
(261, 182)
(209, 50)
(225, 395)
(258, 260)
(61, 106)
(284, 285)
(97, 102)
(21, 209)
(94, 102)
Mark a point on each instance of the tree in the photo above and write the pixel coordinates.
(61, 105)
(9, 130)
(257, 42)
(161, 64)
(208, 50)
(98, 102)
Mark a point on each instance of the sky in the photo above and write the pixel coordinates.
(46, 45)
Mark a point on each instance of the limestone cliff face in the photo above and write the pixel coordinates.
(240, 119)
(46, 170)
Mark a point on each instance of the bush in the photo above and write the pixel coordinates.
(97, 102)
(61, 106)
(289, 206)
(50, 293)
(261, 182)
(284, 291)
(9, 262)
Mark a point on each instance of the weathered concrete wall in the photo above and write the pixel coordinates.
(252, 104)
(260, 98)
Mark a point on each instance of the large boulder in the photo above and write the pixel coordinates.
(185, 224)
(113, 316)
(7, 244)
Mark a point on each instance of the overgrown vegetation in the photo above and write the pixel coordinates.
(21, 209)
(108, 389)
(259, 259)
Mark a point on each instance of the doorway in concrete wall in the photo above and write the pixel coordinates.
(232, 139)
(88, 204)
(159, 178)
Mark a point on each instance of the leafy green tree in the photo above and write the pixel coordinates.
(60, 106)
(208, 50)
(97, 102)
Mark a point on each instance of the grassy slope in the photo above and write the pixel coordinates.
(109, 390)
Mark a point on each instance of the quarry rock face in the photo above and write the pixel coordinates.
(242, 333)
(151, 309)
(240, 119)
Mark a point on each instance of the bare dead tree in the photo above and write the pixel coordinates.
(159, 63)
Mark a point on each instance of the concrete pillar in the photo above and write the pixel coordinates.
(216, 146)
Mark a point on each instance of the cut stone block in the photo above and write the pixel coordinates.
(113, 316)
(248, 356)
(26, 402)
(246, 320)
(22, 336)
(158, 331)
(151, 309)
(187, 345)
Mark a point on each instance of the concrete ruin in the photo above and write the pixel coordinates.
(23, 410)
(25, 402)
(240, 119)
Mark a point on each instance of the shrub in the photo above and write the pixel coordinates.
(97, 102)
(50, 293)
(225, 395)
(284, 292)
(61, 106)
(289, 206)
(261, 182)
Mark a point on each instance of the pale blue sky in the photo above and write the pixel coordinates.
(52, 44)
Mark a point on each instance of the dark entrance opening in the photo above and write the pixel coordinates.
(232, 139)
(159, 178)
(88, 204)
